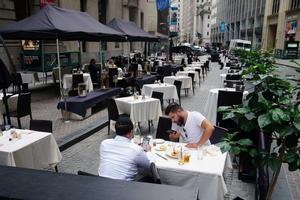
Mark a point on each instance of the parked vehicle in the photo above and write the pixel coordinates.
(239, 44)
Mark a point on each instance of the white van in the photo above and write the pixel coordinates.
(240, 44)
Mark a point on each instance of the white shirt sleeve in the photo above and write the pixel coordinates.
(142, 160)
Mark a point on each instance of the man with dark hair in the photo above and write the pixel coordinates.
(119, 157)
(191, 126)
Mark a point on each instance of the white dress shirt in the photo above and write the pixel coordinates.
(120, 159)
(191, 132)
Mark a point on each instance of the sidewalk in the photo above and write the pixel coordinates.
(288, 62)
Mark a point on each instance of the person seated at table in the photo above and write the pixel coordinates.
(119, 157)
(191, 126)
(111, 64)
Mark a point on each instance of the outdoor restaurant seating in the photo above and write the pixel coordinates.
(164, 124)
(233, 77)
(178, 88)
(76, 79)
(23, 108)
(193, 81)
(113, 113)
(228, 98)
(217, 135)
(232, 83)
(158, 95)
(41, 125)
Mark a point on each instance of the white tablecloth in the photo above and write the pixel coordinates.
(140, 109)
(210, 109)
(12, 103)
(36, 150)
(204, 176)
(169, 90)
(186, 81)
(186, 73)
(67, 81)
(28, 77)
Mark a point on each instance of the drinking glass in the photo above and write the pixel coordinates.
(200, 152)
(186, 156)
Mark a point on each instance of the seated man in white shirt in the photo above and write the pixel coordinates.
(191, 126)
(119, 157)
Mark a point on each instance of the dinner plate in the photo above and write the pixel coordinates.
(170, 153)
(161, 148)
(159, 141)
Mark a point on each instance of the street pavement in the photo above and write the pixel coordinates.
(85, 154)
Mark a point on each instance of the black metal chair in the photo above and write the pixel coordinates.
(113, 113)
(203, 70)
(233, 83)
(23, 108)
(111, 73)
(76, 79)
(217, 135)
(193, 81)
(178, 88)
(17, 82)
(41, 125)
(160, 96)
(164, 124)
(233, 77)
(228, 98)
(199, 72)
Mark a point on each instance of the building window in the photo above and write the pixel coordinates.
(208, 17)
(117, 45)
(275, 6)
(295, 4)
(207, 33)
(207, 25)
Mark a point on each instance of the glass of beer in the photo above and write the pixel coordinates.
(186, 156)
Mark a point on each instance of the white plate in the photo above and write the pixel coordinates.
(159, 141)
(170, 153)
(161, 147)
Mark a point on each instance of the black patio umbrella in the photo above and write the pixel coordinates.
(54, 23)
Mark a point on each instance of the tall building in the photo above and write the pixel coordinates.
(143, 13)
(187, 16)
(203, 22)
(238, 19)
(280, 24)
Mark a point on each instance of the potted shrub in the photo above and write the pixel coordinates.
(271, 109)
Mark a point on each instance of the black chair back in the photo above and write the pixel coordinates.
(113, 113)
(76, 79)
(178, 88)
(24, 105)
(17, 82)
(217, 135)
(228, 98)
(233, 77)
(164, 124)
(233, 83)
(111, 73)
(41, 125)
(158, 95)
(192, 75)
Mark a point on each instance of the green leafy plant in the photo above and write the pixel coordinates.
(271, 109)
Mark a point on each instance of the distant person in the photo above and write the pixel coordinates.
(93, 69)
(111, 64)
(119, 157)
(191, 126)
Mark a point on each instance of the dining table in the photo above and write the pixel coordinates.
(29, 149)
(67, 81)
(203, 170)
(186, 73)
(186, 81)
(210, 109)
(169, 90)
(140, 109)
